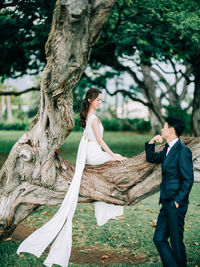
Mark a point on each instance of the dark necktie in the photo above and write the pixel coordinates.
(165, 149)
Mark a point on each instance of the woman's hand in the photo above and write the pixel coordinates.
(120, 158)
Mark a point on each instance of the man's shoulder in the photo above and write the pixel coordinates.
(183, 148)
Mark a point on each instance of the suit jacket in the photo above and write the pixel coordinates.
(177, 171)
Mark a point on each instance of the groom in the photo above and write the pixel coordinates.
(177, 180)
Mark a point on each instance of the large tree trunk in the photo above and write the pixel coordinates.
(156, 125)
(32, 169)
(149, 92)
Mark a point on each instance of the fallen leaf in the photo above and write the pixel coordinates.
(104, 257)
(148, 210)
(83, 251)
(197, 244)
(81, 227)
(153, 223)
(186, 227)
(46, 212)
(21, 256)
(8, 239)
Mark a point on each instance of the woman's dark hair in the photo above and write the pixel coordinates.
(91, 94)
(177, 124)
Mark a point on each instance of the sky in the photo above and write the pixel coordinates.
(21, 83)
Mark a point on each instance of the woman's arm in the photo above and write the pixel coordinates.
(96, 130)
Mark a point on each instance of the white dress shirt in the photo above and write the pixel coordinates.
(171, 144)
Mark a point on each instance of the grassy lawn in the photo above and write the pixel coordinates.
(132, 234)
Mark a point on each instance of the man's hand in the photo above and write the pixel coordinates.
(176, 204)
(157, 138)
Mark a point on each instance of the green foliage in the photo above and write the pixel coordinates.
(77, 127)
(116, 124)
(111, 124)
(19, 115)
(136, 125)
(16, 125)
(159, 29)
(24, 30)
(79, 93)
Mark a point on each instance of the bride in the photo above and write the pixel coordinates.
(58, 231)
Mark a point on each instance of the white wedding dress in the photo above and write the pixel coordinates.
(58, 231)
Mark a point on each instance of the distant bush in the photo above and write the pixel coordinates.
(136, 125)
(115, 124)
(111, 124)
(16, 125)
(77, 127)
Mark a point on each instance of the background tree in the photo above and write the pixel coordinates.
(140, 32)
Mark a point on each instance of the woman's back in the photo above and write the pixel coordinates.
(88, 132)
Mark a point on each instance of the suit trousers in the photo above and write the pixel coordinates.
(170, 224)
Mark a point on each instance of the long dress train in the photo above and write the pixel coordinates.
(58, 231)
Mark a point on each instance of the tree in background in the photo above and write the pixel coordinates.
(138, 37)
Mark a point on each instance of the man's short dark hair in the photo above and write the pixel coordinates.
(177, 124)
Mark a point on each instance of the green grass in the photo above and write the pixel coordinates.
(126, 143)
(131, 234)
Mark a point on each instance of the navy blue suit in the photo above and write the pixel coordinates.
(177, 181)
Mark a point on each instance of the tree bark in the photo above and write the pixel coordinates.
(20, 92)
(32, 168)
(156, 125)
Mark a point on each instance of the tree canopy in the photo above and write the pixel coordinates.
(24, 28)
(159, 29)
(136, 33)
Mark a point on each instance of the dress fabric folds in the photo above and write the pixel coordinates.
(57, 232)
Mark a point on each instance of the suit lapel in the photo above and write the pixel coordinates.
(171, 154)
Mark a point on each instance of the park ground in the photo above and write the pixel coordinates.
(123, 242)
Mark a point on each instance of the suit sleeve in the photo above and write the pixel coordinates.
(187, 175)
(151, 155)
